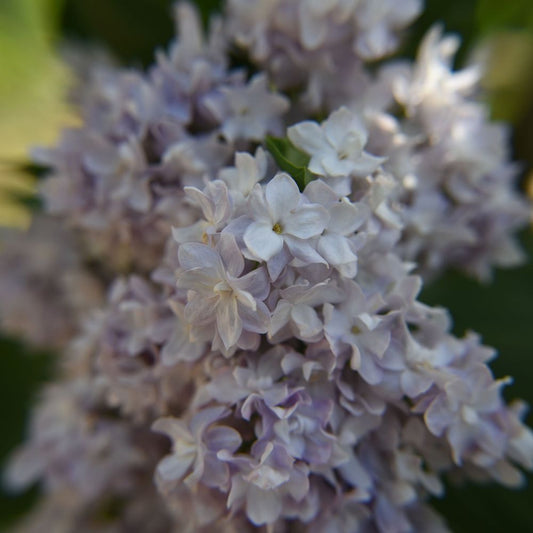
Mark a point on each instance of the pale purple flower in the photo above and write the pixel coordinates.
(265, 483)
(194, 449)
(219, 294)
(295, 313)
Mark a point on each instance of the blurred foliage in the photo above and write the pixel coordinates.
(32, 87)
(495, 15)
(23, 372)
(33, 83)
(132, 29)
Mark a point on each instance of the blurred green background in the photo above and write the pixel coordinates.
(33, 84)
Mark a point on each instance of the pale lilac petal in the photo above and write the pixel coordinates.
(336, 167)
(307, 321)
(298, 484)
(282, 195)
(173, 467)
(262, 506)
(335, 249)
(315, 164)
(345, 218)
(200, 311)
(370, 371)
(255, 282)
(199, 198)
(308, 136)
(262, 241)
(206, 417)
(438, 416)
(220, 194)
(342, 122)
(180, 348)
(312, 29)
(366, 164)
(257, 206)
(222, 438)
(245, 300)
(414, 383)
(376, 341)
(303, 250)
(216, 473)
(195, 254)
(198, 279)
(280, 317)
(306, 222)
(320, 193)
(277, 263)
(174, 428)
(229, 323)
(256, 321)
(230, 254)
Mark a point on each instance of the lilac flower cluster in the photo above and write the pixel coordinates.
(262, 358)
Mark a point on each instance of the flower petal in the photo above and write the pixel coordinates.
(306, 222)
(262, 241)
(230, 254)
(229, 323)
(282, 195)
(262, 506)
(195, 254)
(308, 136)
(335, 249)
(174, 467)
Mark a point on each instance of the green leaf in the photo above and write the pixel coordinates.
(290, 160)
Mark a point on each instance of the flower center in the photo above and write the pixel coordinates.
(276, 228)
(223, 288)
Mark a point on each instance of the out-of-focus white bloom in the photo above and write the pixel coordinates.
(336, 146)
(252, 111)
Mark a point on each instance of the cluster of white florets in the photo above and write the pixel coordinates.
(262, 357)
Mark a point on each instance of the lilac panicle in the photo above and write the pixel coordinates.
(262, 358)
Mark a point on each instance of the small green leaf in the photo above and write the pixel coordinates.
(290, 160)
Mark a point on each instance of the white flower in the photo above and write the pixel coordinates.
(280, 217)
(336, 146)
